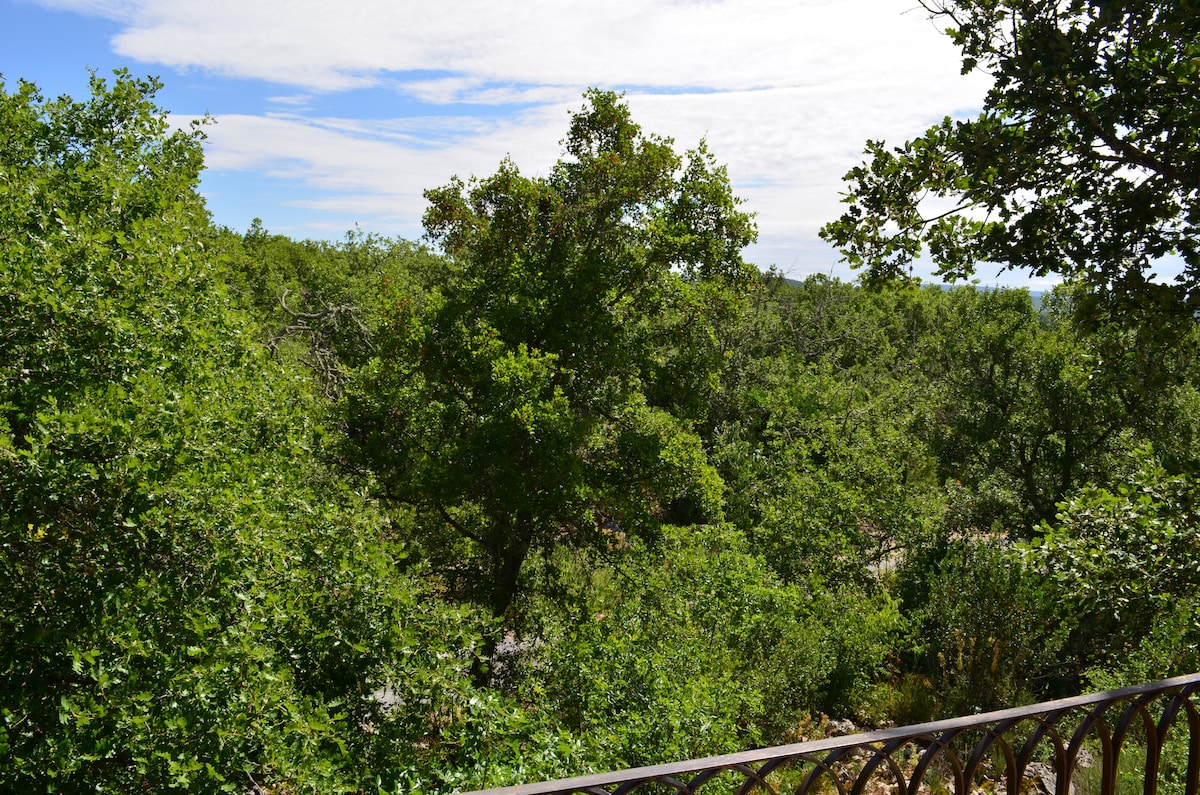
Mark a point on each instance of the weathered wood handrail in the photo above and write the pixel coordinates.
(963, 751)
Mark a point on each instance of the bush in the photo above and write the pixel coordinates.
(987, 634)
(1125, 563)
(696, 647)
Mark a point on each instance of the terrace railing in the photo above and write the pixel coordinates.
(1138, 739)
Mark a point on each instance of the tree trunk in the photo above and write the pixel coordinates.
(505, 575)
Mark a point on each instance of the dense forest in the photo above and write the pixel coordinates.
(568, 485)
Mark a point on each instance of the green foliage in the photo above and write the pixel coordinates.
(1026, 409)
(192, 601)
(696, 647)
(526, 403)
(582, 454)
(324, 303)
(1084, 162)
(813, 430)
(1135, 545)
(987, 634)
(846, 484)
(1127, 560)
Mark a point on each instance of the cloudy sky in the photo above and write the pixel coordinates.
(332, 114)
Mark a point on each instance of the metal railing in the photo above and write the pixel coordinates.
(1137, 739)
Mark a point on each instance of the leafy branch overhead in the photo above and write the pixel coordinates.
(1084, 162)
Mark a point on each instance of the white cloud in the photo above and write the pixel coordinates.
(723, 45)
(786, 91)
(292, 100)
(378, 170)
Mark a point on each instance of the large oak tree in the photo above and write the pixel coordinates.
(535, 400)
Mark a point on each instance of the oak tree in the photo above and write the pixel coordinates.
(191, 600)
(535, 399)
(1084, 162)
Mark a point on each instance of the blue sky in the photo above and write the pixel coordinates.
(331, 115)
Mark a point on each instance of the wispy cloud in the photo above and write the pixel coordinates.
(785, 91)
(293, 100)
(724, 45)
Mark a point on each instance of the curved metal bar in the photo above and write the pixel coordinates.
(940, 744)
(771, 765)
(1108, 768)
(753, 778)
(893, 765)
(1181, 700)
(1192, 782)
(704, 776)
(1136, 708)
(864, 775)
(824, 766)
(996, 736)
(990, 736)
(1047, 725)
(1092, 720)
(670, 781)
(887, 750)
(939, 740)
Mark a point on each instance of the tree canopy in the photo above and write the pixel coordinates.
(192, 601)
(574, 488)
(529, 401)
(1085, 161)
